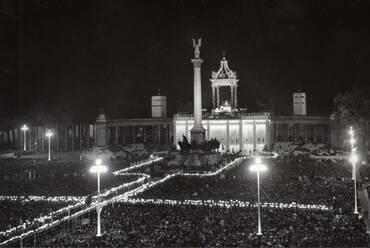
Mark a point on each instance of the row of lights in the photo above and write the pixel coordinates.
(48, 134)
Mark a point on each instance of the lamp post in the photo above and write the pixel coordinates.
(352, 142)
(97, 169)
(49, 133)
(258, 167)
(353, 159)
(24, 128)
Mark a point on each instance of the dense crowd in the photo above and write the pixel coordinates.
(200, 226)
(78, 185)
(14, 213)
(29, 177)
(307, 182)
(23, 178)
(289, 179)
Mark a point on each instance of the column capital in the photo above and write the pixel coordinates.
(197, 62)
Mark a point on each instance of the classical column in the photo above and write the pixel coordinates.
(267, 133)
(197, 132)
(236, 97)
(227, 136)
(232, 96)
(159, 134)
(213, 97)
(218, 96)
(254, 137)
(101, 135)
(208, 131)
(123, 129)
(241, 136)
(116, 130)
(56, 137)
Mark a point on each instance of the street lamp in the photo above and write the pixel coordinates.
(353, 159)
(49, 133)
(97, 169)
(352, 141)
(258, 167)
(24, 128)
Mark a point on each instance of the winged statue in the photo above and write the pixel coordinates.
(196, 46)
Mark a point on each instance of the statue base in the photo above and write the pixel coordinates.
(192, 160)
(197, 160)
(198, 135)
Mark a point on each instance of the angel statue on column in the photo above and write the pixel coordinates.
(196, 47)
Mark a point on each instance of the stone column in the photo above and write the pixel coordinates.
(213, 97)
(208, 131)
(218, 96)
(116, 130)
(241, 136)
(236, 97)
(101, 135)
(254, 137)
(159, 134)
(227, 136)
(123, 129)
(197, 132)
(232, 96)
(267, 134)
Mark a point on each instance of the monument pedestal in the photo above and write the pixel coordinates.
(198, 135)
(193, 160)
(198, 160)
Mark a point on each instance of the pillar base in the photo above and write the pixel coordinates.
(193, 160)
(198, 134)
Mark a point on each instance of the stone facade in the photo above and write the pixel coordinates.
(313, 129)
(128, 131)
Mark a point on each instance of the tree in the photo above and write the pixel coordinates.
(353, 109)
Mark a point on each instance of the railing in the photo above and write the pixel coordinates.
(265, 114)
(183, 116)
(231, 116)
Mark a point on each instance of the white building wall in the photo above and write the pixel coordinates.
(260, 136)
(234, 138)
(248, 138)
(180, 131)
(253, 133)
(218, 130)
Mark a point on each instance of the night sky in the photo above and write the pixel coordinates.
(79, 55)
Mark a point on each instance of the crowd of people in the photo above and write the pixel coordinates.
(75, 185)
(289, 179)
(202, 226)
(14, 213)
(29, 177)
(23, 178)
(304, 182)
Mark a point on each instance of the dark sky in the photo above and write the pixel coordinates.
(79, 55)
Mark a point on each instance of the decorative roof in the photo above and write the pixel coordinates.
(224, 72)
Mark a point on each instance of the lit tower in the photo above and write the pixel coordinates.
(197, 132)
(159, 106)
(299, 103)
(224, 77)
